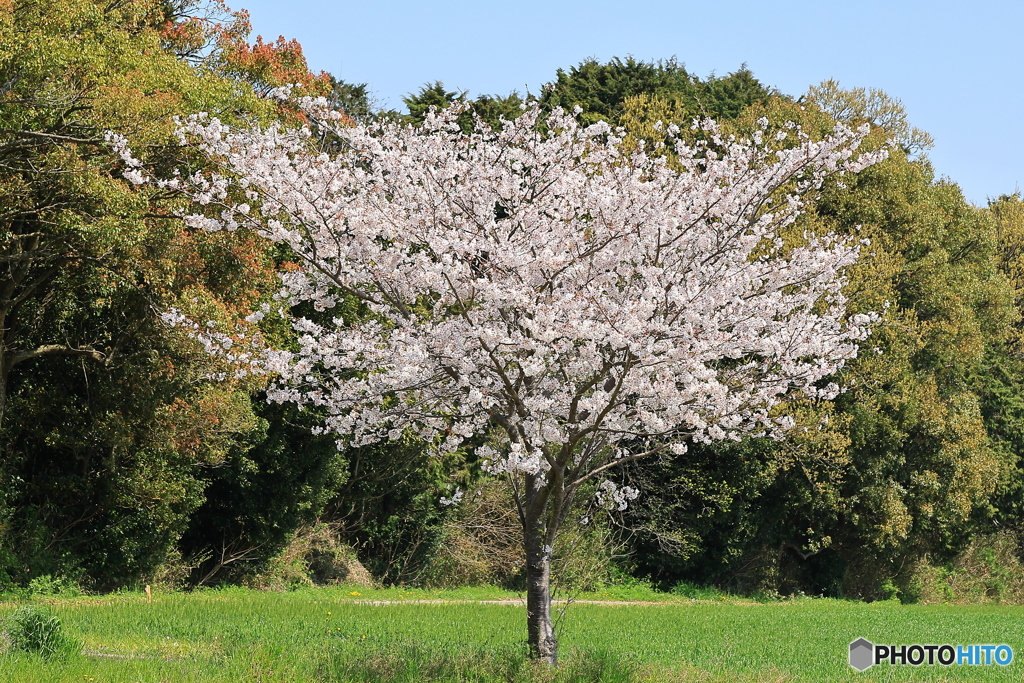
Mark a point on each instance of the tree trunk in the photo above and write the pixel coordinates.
(540, 629)
(5, 370)
(3, 392)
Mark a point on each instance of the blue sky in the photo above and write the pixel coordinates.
(958, 67)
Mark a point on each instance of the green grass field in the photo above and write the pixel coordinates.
(338, 634)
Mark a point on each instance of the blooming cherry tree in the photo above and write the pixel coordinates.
(590, 304)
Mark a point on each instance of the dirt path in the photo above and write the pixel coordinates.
(521, 602)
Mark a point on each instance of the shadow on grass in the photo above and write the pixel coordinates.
(419, 663)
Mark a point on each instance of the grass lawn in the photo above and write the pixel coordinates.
(339, 634)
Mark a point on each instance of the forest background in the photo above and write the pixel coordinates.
(124, 462)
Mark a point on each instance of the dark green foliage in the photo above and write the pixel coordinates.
(692, 522)
(725, 98)
(490, 108)
(351, 98)
(602, 89)
(281, 477)
(109, 413)
(431, 95)
(730, 515)
(390, 509)
(102, 489)
(998, 381)
(493, 108)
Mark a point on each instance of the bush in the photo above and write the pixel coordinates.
(315, 556)
(173, 573)
(586, 553)
(47, 586)
(33, 629)
(481, 545)
(988, 571)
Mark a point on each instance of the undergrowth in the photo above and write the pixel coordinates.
(35, 630)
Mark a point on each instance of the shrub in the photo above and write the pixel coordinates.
(586, 554)
(988, 571)
(315, 556)
(47, 586)
(481, 544)
(174, 572)
(33, 629)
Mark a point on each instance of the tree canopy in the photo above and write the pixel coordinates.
(127, 452)
(591, 304)
(110, 415)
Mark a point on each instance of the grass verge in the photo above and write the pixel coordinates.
(357, 634)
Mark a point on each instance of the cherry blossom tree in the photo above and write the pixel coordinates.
(563, 303)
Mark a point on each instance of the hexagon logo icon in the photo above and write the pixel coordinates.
(862, 654)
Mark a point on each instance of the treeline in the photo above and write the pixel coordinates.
(128, 455)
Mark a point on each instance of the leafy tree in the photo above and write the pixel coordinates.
(431, 95)
(490, 108)
(602, 90)
(280, 477)
(109, 413)
(874, 106)
(998, 379)
(493, 108)
(352, 98)
(265, 65)
(1008, 213)
(727, 97)
(391, 506)
(71, 70)
(901, 461)
(922, 459)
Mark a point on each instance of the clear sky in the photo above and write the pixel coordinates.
(957, 66)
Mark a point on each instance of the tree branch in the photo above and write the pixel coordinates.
(51, 136)
(53, 350)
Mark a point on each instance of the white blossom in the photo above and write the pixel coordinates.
(454, 500)
(611, 496)
(543, 283)
(539, 282)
